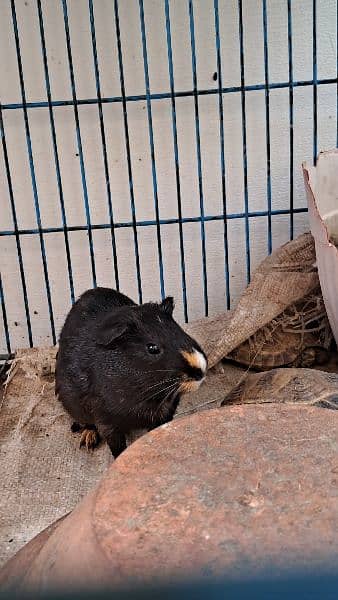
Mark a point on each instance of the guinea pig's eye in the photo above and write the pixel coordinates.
(153, 349)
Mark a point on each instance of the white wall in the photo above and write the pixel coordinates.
(141, 162)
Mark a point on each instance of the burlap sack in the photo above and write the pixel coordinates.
(282, 279)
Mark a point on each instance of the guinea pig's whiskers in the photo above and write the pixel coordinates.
(138, 411)
(171, 392)
(161, 383)
(160, 391)
(171, 385)
(158, 384)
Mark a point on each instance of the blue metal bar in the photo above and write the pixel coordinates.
(15, 232)
(267, 123)
(55, 149)
(167, 95)
(103, 140)
(290, 59)
(126, 134)
(32, 170)
(221, 135)
(152, 148)
(4, 317)
(245, 162)
(314, 76)
(79, 140)
(126, 224)
(198, 152)
(177, 166)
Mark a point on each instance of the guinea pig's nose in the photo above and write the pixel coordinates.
(197, 364)
(198, 375)
(200, 362)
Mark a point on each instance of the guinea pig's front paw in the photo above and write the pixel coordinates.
(90, 437)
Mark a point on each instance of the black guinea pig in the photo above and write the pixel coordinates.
(122, 366)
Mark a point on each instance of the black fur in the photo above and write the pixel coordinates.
(105, 374)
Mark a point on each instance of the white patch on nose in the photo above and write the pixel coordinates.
(201, 362)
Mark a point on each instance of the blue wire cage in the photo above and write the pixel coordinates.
(269, 62)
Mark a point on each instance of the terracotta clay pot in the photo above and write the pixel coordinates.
(224, 492)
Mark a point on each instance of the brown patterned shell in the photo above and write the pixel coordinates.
(289, 386)
(280, 351)
(299, 337)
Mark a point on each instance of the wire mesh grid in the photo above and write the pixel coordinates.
(221, 17)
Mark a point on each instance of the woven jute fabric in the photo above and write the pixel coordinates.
(282, 279)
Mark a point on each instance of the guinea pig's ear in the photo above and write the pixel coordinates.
(112, 328)
(168, 305)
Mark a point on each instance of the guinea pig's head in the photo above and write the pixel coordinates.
(151, 350)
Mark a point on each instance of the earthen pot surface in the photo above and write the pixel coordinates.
(224, 492)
